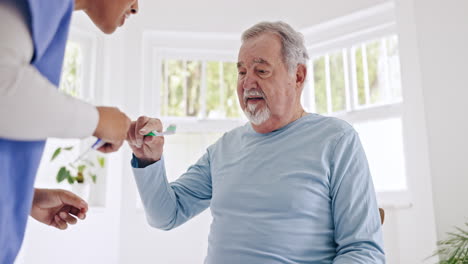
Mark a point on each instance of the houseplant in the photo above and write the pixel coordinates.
(454, 249)
(79, 173)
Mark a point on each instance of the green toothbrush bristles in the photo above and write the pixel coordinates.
(171, 128)
(169, 131)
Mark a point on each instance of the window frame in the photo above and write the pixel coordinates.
(162, 45)
(345, 33)
(88, 42)
(193, 124)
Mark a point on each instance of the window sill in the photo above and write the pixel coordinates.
(394, 199)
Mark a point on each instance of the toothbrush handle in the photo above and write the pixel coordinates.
(99, 143)
(154, 133)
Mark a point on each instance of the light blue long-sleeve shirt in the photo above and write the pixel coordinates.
(300, 194)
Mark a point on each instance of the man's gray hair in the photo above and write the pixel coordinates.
(292, 42)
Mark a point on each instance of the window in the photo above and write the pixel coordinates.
(76, 80)
(193, 84)
(201, 89)
(200, 97)
(358, 84)
(362, 76)
(71, 83)
(72, 78)
(354, 74)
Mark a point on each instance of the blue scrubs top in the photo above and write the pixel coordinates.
(49, 22)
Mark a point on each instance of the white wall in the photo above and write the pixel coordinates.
(442, 35)
(236, 16)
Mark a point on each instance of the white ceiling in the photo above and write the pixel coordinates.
(235, 16)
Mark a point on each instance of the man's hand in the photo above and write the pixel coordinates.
(57, 208)
(147, 149)
(112, 128)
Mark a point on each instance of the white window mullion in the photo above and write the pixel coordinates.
(184, 88)
(386, 70)
(354, 84)
(366, 73)
(203, 91)
(328, 84)
(311, 89)
(344, 54)
(166, 89)
(221, 88)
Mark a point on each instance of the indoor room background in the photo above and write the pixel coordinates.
(396, 70)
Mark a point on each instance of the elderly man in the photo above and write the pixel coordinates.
(288, 187)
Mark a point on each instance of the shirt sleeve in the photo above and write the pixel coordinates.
(358, 233)
(32, 108)
(168, 205)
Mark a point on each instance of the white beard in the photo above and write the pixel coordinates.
(257, 117)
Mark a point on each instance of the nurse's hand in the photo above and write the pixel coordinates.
(148, 149)
(57, 208)
(112, 128)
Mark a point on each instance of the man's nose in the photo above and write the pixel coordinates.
(250, 82)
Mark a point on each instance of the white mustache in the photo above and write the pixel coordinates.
(253, 93)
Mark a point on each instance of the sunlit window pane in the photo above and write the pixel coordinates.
(176, 91)
(376, 70)
(193, 85)
(361, 93)
(383, 142)
(164, 90)
(320, 85)
(213, 86)
(337, 82)
(71, 79)
(230, 84)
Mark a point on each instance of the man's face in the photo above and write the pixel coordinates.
(110, 14)
(267, 92)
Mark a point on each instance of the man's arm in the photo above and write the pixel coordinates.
(167, 205)
(358, 233)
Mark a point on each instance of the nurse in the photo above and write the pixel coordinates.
(33, 35)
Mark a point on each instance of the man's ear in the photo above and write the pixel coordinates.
(301, 74)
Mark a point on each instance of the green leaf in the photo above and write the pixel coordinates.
(454, 249)
(56, 153)
(70, 179)
(101, 161)
(93, 177)
(62, 174)
(81, 168)
(68, 148)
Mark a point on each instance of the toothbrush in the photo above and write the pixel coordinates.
(170, 130)
(99, 143)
